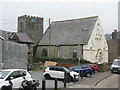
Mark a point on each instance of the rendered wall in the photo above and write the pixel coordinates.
(15, 55)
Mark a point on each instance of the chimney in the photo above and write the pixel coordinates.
(114, 34)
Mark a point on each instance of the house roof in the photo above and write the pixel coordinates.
(23, 38)
(69, 32)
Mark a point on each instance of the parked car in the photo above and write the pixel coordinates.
(94, 67)
(88, 66)
(82, 69)
(59, 72)
(115, 67)
(13, 77)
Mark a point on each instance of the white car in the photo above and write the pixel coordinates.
(59, 72)
(14, 77)
(115, 67)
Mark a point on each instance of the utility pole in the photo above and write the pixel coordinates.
(79, 54)
(78, 49)
(49, 38)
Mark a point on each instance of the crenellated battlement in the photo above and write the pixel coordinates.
(29, 17)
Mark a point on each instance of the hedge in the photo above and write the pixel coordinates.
(60, 60)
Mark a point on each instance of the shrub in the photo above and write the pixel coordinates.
(60, 60)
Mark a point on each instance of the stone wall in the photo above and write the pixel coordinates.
(15, 55)
(1, 53)
(31, 26)
(113, 49)
(58, 51)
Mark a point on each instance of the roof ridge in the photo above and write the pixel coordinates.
(75, 19)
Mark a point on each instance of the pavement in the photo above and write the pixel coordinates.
(91, 82)
(109, 82)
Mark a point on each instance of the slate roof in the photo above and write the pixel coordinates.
(23, 38)
(69, 32)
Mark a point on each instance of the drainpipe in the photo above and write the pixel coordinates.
(81, 51)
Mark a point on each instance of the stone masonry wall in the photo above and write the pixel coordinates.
(16, 55)
(1, 53)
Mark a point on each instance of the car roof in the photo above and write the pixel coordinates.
(116, 59)
(12, 69)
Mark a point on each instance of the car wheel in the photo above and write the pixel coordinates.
(69, 79)
(112, 71)
(96, 71)
(47, 76)
(34, 88)
(88, 75)
(91, 73)
(3, 87)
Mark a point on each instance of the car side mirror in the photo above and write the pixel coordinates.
(11, 78)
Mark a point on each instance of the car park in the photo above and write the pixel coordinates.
(13, 77)
(59, 72)
(82, 69)
(115, 67)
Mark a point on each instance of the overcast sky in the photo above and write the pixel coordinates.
(57, 10)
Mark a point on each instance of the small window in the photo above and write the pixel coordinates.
(20, 25)
(51, 68)
(74, 53)
(44, 53)
(56, 68)
(15, 74)
(33, 25)
(22, 73)
(59, 53)
(59, 69)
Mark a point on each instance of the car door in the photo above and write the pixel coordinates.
(56, 72)
(16, 79)
(60, 72)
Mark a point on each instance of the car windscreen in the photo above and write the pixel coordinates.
(3, 74)
(76, 67)
(116, 63)
(67, 70)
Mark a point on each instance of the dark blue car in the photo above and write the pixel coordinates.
(82, 69)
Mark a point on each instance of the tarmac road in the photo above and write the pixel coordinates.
(49, 83)
(109, 82)
(84, 83)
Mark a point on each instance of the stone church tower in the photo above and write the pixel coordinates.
(31, 26)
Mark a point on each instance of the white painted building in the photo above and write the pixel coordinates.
(97, 49)
(77, 38)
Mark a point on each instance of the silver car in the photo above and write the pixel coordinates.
(115, 67)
